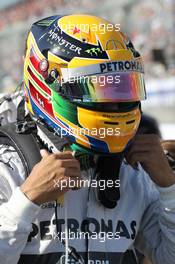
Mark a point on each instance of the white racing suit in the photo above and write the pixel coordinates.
(8, 106)
(144, 217)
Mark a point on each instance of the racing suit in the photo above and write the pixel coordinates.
(144, 217)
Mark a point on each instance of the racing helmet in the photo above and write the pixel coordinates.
(84, 79)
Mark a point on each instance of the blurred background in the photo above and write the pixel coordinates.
(150, 24)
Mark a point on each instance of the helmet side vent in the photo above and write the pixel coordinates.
(130, 122)
(111, 123)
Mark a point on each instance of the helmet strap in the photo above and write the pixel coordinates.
(108, 169)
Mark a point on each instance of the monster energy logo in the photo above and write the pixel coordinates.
(45, 22)
(93, 51)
